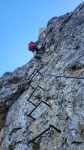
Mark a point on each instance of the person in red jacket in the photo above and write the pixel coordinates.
(33, 47)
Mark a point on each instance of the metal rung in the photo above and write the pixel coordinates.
(40, 72)
(46, 103)
(33, 110)
(34, 142)
(37, 106)
(49, 53)
(77, 142)
(58, 130)
(51, 126)
(32, 75)
(41, 88)
(31, 102)
(32, 86)
(35, 90)
(32, 93)
(32, 117)
(30, 141)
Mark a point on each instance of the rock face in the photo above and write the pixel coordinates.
(39, 111)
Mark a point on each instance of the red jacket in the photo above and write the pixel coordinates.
(31, 46)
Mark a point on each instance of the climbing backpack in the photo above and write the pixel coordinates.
(31, 45)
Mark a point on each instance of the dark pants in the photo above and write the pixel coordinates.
(39, 52)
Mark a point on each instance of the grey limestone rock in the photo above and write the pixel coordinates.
(39, 111)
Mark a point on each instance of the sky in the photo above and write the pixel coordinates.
(20, 21)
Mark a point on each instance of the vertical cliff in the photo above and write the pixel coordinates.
(42, 105)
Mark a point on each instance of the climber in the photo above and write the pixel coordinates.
(36, 49)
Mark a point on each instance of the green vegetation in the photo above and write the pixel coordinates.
(36, 146)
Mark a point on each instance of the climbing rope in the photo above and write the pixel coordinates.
(63, 76)
(60, 76)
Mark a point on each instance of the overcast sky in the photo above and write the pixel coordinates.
(20, 21)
